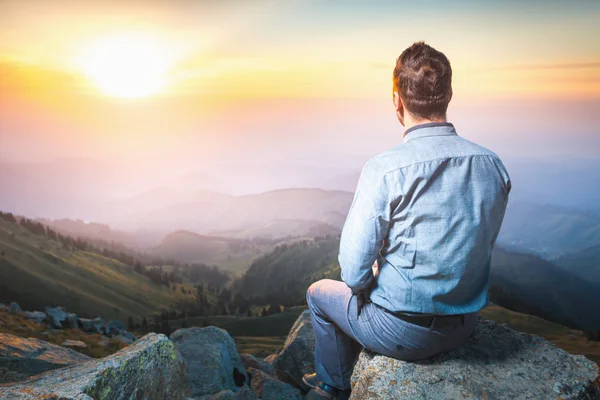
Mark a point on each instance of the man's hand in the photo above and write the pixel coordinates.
(362, 298)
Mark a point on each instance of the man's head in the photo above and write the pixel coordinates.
(422, 84)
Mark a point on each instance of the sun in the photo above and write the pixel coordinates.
(126, 66)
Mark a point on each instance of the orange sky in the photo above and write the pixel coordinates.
(244, 70)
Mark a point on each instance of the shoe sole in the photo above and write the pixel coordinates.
(308, 385)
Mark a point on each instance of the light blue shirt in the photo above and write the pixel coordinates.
(438, 200)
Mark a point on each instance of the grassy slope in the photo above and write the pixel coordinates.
(37, 272)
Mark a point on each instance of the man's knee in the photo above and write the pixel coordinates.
(315, 290)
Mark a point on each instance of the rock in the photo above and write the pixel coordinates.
(56, 316)
(14, 308)
(6, 376)
(298, 353)
(267, 387)
(95, 325)
(496, 363)
(74, 343)
(36, 316)
(251, 361)
(72, 321)
(246, 393)
(213, 362)
(124, 339)
(2, 306)
(114, 328)
(150, 369)
(34, 356)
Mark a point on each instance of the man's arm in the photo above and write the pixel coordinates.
(365, 228)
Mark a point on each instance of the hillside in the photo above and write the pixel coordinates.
(585, 264)
(283, 275)
(549, 231)
(228, 253)
(529, 284)
(37, 271)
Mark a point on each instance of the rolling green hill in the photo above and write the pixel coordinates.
(37, 271)
(283, 275)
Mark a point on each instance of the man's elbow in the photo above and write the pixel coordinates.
(357, 283)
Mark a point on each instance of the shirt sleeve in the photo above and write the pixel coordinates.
(365, 228)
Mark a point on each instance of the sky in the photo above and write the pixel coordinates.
(194, 85)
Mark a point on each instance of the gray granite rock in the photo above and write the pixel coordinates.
(297, 356)
(14, 308)
(56, 316)
(36, 316)
(267, 387)
(34, 356)
(251, 361)
(149, 369)
(496, 363)
(114, 328)
(74, 344)
(95, 325)
(213, 362)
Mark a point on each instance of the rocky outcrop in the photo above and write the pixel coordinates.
(297, 355)
(56, 316)
(269, 388)
(14, 308)
(114, 328)
(36, 316)
(149, 369)
(213, 362)
(95, 325)
(496, 363)
(33, 356)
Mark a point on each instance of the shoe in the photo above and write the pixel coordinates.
(322, 391)
(310, 381)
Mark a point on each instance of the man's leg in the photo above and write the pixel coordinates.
(335, 350)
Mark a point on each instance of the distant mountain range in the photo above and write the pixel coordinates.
(547, 230)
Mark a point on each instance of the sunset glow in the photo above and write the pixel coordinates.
(126, 66)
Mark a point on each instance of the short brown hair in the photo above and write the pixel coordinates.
(423, 78)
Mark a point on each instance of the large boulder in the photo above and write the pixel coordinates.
(95, 325)
(34, 356)
(213, 361)
(297, 356)
(150, 369)
(114, 328)
(496, 363)
(36, 316)
(56, 316)
(14, 308)
(267, 387)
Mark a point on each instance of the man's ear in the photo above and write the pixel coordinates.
(398, 102)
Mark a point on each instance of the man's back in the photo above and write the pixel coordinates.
(438, 201)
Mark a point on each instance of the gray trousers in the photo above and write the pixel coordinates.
(340, 335)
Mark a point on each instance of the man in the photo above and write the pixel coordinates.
(416, 246)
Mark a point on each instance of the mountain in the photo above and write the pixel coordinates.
(528, 284)
(225, 213)
(190, 247)
(546, 230)
(585, 264)
(282, 228)
(37, 271)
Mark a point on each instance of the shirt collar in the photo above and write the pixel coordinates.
(429, 129)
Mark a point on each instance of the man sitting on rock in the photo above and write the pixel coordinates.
(416, 246)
